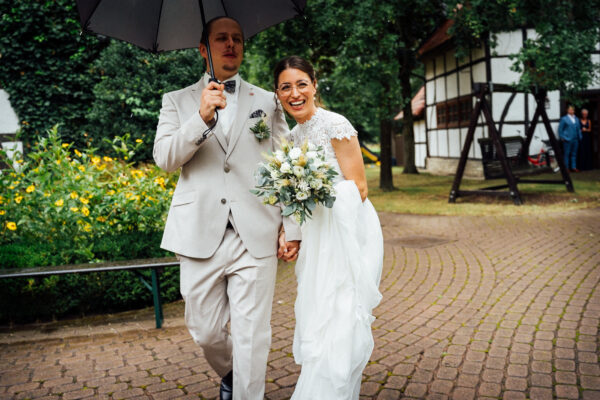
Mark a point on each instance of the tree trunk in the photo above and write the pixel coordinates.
(386, 182)
(408, 133)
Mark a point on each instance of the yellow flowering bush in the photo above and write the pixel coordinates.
(63, 206)
(60, 193)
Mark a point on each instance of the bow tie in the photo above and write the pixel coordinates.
(230, 86)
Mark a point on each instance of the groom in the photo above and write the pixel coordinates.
(225, 238)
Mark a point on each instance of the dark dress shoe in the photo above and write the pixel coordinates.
(226, 391)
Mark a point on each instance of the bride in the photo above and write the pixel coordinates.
(339, 266)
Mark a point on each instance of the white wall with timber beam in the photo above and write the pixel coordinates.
(448, 87)
(521, 110)
(420, 143)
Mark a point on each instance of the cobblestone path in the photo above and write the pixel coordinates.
(473, 307)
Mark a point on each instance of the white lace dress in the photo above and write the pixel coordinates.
(338, 272)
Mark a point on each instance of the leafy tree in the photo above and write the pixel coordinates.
(558, 58)
(382, 50)
(44, 65)
(364, 53)
(128, 95)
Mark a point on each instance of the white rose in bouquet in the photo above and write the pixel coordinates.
(302, 196)
(286, 168)
(298, 171)
(295, 153)
(316, 184)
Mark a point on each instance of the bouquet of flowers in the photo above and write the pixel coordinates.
(299, 178)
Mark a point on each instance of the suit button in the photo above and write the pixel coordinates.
(226, 169)
(223, 201)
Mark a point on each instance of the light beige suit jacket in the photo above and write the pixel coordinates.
(218, 173)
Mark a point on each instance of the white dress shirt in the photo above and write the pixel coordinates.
(227, 115)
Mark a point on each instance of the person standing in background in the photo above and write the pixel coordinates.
(585, 149)
(569, 131)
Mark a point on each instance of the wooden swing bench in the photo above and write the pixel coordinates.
(517, 159)
(507, 157)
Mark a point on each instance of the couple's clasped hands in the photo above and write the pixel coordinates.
(287, 251)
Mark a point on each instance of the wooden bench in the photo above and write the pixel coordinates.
(516, 156)
(154, 265)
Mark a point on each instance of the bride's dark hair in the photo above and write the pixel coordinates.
(294, 62)
(298, 63)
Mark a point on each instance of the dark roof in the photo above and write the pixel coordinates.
(439, 37)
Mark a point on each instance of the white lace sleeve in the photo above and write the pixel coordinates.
(341, 128)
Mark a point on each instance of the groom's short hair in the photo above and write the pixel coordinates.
(209, 24)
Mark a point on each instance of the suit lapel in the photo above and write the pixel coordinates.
(245, 100)
(217, 131)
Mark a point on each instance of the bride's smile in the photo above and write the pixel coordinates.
(297, 92)
(297, 105)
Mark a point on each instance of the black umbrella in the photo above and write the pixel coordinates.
(161, 25)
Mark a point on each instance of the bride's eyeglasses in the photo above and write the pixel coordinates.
(285, 89)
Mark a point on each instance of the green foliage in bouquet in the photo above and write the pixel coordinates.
(298, 178)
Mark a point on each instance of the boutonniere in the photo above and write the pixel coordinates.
(260, 130)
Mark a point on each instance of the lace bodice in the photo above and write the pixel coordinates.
(323, 126)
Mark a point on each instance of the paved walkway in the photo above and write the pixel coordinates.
(473, 307)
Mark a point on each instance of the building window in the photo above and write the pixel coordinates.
(455, 113)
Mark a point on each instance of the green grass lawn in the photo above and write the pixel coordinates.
(428, 194)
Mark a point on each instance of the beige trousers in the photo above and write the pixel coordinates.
(231, 285)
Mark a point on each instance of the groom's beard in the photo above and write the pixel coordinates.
(231, 68)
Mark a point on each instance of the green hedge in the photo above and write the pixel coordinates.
(46, 298)
(44, 66)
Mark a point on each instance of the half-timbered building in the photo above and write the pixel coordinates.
(440, 134)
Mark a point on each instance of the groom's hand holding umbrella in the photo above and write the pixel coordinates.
(212, 98)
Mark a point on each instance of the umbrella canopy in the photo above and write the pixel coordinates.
(161, 25)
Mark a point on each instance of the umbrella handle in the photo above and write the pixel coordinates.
(209, 56)
(210, 63)
(210, 128)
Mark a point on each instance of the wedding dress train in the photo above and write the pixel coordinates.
(338, 273)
